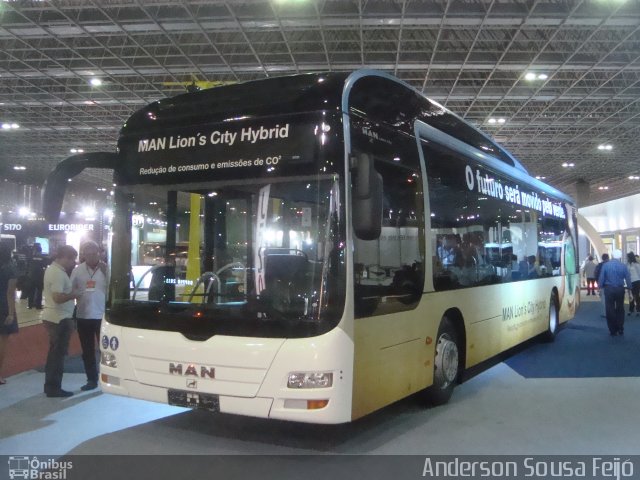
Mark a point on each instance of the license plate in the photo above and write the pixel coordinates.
(202, 401)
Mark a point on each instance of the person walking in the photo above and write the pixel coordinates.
(603, 308)
(613, 276)
(590, 275)
(8, 320)
(90, 278)
(35, 274)
(57, 317)
(634, 272)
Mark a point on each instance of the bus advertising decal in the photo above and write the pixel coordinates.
(487, 185)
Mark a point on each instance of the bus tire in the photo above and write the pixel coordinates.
(553, 324)
(446, 364)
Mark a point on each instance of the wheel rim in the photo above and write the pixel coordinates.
(446, 361)
(553, 317)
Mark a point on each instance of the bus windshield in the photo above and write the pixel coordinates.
(264, 259)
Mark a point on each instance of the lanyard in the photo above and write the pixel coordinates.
(94, 272)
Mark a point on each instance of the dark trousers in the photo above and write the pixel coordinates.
(35, 294)
(59, 335)
(88, 329)
(635, 295)
(614, 300)
(591, 289)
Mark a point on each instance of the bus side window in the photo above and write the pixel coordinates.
(389, 271)
(476, 239)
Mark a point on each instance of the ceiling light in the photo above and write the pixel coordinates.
(634, 177)
(501, 120)
(530, 76)
(19, 167)
(539, 177)
(24, 212)
(10, 126)
(605, 146)
(565, 165)
(603, 188)
(492, 120)
(543, 76)
(89, 211)
(96, 82)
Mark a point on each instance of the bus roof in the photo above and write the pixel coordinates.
(374, 94)
(257, 98)
(305, 93)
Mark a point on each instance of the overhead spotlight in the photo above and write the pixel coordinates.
(19, 167)
(501, 120)
(603, 188)
(492, 120)
(634, 177)
(96, 82)
(530, 76)
(24, 211)
(605, 146)
(568, 164)
(543, 76)
(10, 126)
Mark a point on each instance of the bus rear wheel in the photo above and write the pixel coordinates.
(446, 365)
(554, 322)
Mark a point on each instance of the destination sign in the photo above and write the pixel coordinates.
(236, 149)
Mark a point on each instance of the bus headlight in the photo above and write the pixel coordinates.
(108, 359)
(310, 380)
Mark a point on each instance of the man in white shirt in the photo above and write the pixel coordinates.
(57, 317)
(90, 278)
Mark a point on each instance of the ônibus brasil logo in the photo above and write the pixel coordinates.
(33, 468)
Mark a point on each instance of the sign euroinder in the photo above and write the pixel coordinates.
(70, 227)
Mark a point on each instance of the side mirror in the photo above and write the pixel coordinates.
(367, 199)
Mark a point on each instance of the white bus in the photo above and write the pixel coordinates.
(351, 243)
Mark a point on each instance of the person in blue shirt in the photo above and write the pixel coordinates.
(614, 276)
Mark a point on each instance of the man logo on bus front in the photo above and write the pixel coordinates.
(191, 370)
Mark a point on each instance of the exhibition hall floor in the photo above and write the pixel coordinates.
(578, 395)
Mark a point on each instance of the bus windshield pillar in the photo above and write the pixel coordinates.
(172, 219)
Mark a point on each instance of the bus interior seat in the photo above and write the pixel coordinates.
(284, 267)
(285, 276)
(159, 288)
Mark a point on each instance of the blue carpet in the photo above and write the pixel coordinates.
(582, 349)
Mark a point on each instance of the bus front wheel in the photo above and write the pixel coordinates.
(446, 365)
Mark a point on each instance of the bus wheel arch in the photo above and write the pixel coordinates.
(553, 322)
(449, 358)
